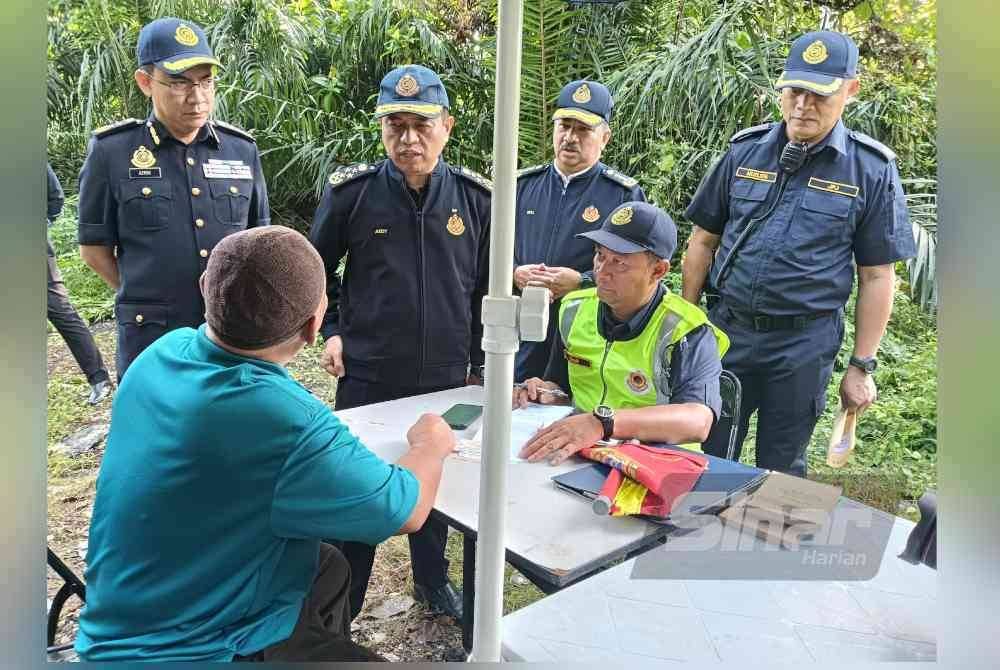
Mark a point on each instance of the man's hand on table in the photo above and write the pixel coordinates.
(562, 439)
(534, 390)
(332, 358)
(432, 434)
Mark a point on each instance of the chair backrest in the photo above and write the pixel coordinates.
(728, 423)
(72, 585)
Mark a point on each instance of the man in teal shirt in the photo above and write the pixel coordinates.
(221, 474)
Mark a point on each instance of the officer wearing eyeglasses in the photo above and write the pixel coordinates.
(157, 194)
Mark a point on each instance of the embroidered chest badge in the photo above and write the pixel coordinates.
(591, 214)
(455, 224)
(637, 382)
(143, 158)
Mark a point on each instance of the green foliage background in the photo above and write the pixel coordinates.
(302, 75)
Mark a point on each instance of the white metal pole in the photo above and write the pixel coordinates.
(500, 343)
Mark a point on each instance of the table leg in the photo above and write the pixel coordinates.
(468, 588)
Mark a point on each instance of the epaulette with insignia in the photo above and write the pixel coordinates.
(473, 176)
(532, 170)
(751, 131)
(233, 130)
(619, 178)
(872, 143)
(113, 128)
(346, 173)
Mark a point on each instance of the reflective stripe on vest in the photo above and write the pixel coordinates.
(623, 374)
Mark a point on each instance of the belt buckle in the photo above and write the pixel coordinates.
(761, 322)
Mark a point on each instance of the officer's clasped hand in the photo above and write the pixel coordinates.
(332, 358)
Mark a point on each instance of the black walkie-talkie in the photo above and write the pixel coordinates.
(793, 156)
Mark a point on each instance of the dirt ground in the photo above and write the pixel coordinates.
(411, 634)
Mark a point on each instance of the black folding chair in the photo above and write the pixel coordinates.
(72, 586)
(729, 421)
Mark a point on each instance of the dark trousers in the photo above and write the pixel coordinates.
(784, 375)
(323, 630)
(64, 317)
(430, 567)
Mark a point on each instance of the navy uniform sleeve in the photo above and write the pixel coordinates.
(329, 235)
(98, 210)
(557, 369)
(637, 194)
(476, 356)
(55, 197)
(695, 369)
(260, 208)
(709, 209)
(884, 234)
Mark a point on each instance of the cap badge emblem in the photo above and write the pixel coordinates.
(185, 35)
(455, 224)
(407, 86)
(815, 53)
(622, 216)
(582, 94)
(637, 382)
(591, 214)
(143, 158)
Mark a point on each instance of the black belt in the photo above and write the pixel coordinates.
(768, 322)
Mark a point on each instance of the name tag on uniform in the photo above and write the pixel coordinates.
(144, 173)
(576, 360)
(380, 232)
(834, 187)
(756, 175)
(223, 169)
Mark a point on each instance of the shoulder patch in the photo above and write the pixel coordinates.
(752, 131)
(113, 128)
(233, 130)
(532, 170)
(473, 176)
(619, 178)
(872, 143)
(346, 173)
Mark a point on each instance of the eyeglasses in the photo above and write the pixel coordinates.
(185, 86)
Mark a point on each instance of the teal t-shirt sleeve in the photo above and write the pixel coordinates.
(332, 486)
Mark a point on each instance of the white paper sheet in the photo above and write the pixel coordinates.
(524, 423)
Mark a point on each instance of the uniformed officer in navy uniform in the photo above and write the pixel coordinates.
(787, 214)
(156, 195)
(557, 201)
(405, 319)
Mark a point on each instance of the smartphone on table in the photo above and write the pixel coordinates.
(461, 416)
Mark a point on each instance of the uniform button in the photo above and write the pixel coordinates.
(200, 223)
(146, 191)
(234, 190)
(190, 161)
(195, 191)
(138, 318)
(203, 253)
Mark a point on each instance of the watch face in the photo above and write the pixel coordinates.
(604, 411)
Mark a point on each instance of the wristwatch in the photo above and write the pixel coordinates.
(606, 416)
(867, 364)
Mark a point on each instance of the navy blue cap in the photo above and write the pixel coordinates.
(636, 226)
(587, 101)
(174, 45)
(411, 88)
(820, 61)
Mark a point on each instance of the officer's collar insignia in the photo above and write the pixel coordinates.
(455, 224)
(637, 382)
(143, 158)
(582, 94)
(815, 53)
(184, 35)
(407, 86)
(756, 175)
(591, 214)
(622, 216)
(152, 133)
